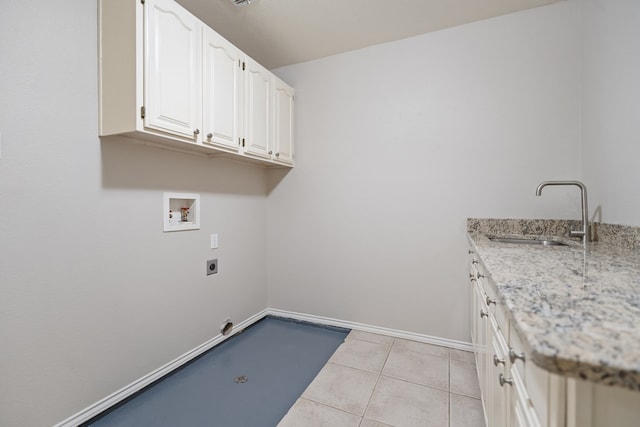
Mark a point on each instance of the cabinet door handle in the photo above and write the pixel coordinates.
(497, 361)
(504, 380)
(277, 154)
(196, 132)
(475, 261)
(270, 152)
(490, 301)
(483, 314)
(469, 251)
(480, 276)
(209, 135)
(513, 356)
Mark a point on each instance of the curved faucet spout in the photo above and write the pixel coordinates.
(585, 210)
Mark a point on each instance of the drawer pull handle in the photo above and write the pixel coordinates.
(490, 301)
(475, 261)
(469, 251)
(483, 314)
(480, 276)
(497, 361)
(504, 380)
(513, 356)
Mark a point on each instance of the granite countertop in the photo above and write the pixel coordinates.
(577, 309)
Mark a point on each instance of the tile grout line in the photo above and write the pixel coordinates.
(325, 405)
(380, 373)
(378, 381)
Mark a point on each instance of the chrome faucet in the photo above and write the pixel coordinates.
(585, 211)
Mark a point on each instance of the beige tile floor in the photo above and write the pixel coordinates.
(380, 381)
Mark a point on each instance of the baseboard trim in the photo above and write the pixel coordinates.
(128, 390)
(428, 339)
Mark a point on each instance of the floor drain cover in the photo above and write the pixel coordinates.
(241, 379)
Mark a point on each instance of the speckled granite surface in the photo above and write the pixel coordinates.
(577, 309)
(619, 235)
(537, 227)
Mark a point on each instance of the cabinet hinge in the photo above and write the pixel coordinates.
(142, 112)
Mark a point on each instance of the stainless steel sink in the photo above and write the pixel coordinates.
(525, 241)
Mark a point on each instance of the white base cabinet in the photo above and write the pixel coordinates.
(515, 392)
(167, 78)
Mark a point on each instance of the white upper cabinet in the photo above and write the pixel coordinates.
(172, 69)
(169, 79)
(258, 99)
(222, 91)
(283, 123)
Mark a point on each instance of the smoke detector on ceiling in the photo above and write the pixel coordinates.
(241, 2)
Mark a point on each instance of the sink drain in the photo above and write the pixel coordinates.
(240, 380)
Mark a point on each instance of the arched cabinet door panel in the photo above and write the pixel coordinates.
(172, 69)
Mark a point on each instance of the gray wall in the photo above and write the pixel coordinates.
(93, 295)
(397, 144)
(610, 57)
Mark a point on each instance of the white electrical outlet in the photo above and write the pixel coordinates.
(214, 241)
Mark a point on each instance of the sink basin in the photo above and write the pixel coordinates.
(525, 241)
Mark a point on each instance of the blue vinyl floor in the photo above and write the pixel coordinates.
(279, 359)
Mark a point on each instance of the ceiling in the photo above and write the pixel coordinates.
(282, 32)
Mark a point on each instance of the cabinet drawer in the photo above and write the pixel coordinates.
(496, 307)
(535, 379)
(515, 343)
(498, 391)
(523, 413)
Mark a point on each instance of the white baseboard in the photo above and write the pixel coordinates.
(128, 390)
(459, 345)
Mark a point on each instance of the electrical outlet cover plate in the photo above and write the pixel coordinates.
(212, 266)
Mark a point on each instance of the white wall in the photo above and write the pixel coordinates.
(611, 108)
(93, 294)
(398, 144)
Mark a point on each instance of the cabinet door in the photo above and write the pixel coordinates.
(499, 393)
(475, 310)
(283, 144)
(172, 69)
(522, 414)
(481, 345)
(222, 84)
(258, 96)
